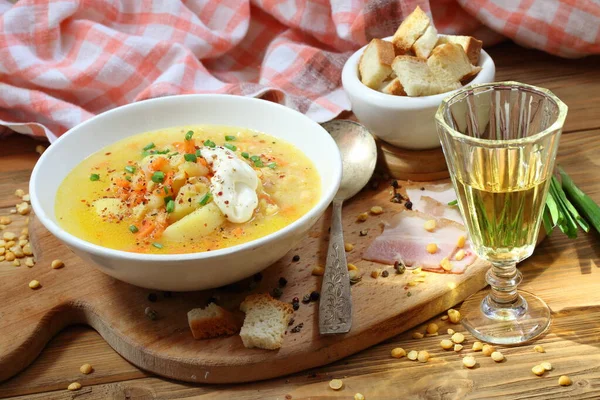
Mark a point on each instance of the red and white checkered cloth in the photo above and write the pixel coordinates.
(63, 61)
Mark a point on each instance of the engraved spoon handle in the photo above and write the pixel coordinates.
(335, 307)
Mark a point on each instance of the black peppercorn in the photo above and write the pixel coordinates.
(408, 205)
(150, 313)
(314, 295)
(252, 285)
(152, 297)
(399, 267)
(295, 306)
(385, 274)
(282, 282)
(395, 184)
(296, 258)
(295, 300)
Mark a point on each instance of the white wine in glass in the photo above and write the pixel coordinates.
(500, 143)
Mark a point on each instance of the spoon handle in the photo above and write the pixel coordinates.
(335, 307)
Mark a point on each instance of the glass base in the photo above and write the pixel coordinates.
(490, 322)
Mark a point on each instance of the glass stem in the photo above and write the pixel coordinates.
(504, 278)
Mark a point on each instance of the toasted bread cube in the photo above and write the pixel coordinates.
(416, 78)
(425, 44)
(211, 322)
(410, 30)
(471, 45)
(449, 63)
(394, 87)
(265, 322)
(375, 63)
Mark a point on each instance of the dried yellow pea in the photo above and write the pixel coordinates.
(336, 384)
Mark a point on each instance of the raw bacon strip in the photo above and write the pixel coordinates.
(442, 192)
(458, 267)
(405, 240)
(439, 210)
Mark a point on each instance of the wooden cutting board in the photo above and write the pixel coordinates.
(79, 294)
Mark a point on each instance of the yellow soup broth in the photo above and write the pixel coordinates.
(123, 197)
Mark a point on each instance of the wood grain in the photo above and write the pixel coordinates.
(413, 165)
(78, 293)
(564, 272)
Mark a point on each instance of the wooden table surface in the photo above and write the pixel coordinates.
(564, 272)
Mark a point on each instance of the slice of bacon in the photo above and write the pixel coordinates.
(434, 199)
(405, 240)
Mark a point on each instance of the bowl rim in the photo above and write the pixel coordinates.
(327, 193)
(352, 83)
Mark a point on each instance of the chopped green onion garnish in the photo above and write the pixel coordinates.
(166, 190)
(272, 165)
(230, 146)
(259, 163)
(188, 135)
(453, 203)
(230, 138)
(173, 154)
(168, 199)
(205, 198)
(128, 178)
(148, 146)
(198, 153)
(254, 158)
(170, 206)
(158, 177)
(94, 177)
(157, 245)
(165, 151)
(130, 169)
(190, 157)
(133, 228)
(209, 143)
(245, 154)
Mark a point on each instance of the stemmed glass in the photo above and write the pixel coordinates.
(500, 142)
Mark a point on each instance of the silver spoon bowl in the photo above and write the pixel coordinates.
(359, 156)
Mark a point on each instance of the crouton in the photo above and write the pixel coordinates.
(375, 63)
(449, 63)
(410, 30)
(471, 45)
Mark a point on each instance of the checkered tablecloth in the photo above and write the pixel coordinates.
(63, 61)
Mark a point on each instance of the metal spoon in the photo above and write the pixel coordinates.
(359, 155)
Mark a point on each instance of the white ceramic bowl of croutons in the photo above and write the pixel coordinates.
(191, 271)
(405, 122)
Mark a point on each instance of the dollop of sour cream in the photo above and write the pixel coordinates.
(233, 184)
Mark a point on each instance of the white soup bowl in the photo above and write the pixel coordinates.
(193, 271)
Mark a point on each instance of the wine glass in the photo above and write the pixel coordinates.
(500, 141)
